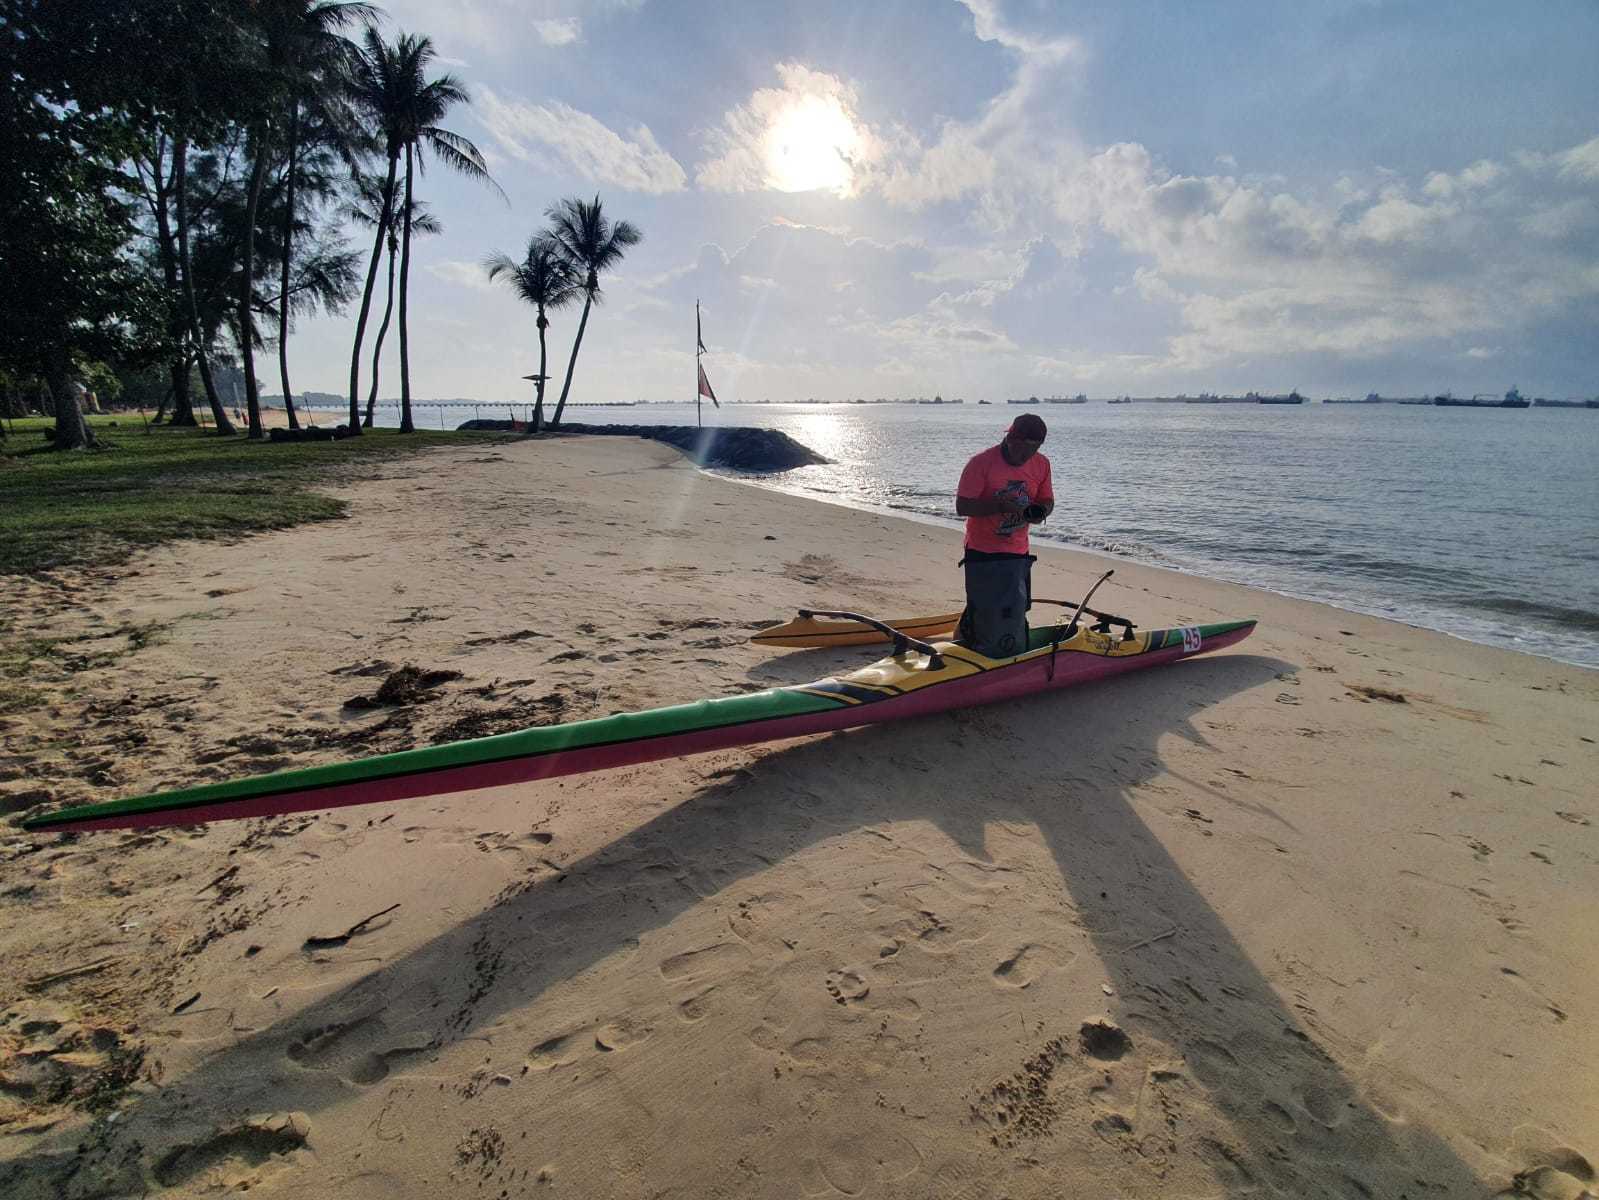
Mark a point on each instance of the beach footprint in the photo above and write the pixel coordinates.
(847, 987)
(249, 1144)
(557, 1051)
(362, 1051)
(705, 962)
(853, 1161)
(1024, 965)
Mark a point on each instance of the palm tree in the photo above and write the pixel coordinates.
(544, 279)
(590, 244)
(391, 84)
(310, 58)
(431, 100)
(202, 345)
(369, 212)
(376, 85)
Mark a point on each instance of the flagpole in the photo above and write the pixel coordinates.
(699, 343)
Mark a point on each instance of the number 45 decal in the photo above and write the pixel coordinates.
(1191, 640)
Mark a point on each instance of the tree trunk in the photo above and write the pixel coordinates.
(166, 245)
(566, 386)
(383, 329)
(219, 414)
(252, 398)
(182, 403)
(72, 432)
(366, 296)
(537, 423)
(288, 246)
(405, 275)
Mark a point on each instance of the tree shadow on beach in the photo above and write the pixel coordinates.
(1296, 1122)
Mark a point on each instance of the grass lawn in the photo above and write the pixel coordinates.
(143, 486)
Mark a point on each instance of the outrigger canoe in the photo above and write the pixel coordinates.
(920, 678)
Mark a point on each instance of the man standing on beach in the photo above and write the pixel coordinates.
(1002, 491)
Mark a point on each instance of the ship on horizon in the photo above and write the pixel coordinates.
(1513, 399)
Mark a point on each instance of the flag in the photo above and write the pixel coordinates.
(699, 336)
(705, 386)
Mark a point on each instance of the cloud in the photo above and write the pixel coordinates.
(992, 23)
(494, 26)
(464, 274)
(1581, 162)
(1478, 175)
(803, 136)
(1256, 270)
(1007, 156)
(809, 134)
(559, 136)
(559, 31)
(1483, 352)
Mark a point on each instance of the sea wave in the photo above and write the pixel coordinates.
(1583, 619)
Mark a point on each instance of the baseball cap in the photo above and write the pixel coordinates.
(1028, 426)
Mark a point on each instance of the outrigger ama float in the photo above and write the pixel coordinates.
(918, 678)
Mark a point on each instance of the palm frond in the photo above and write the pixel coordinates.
(542, 278)
(589, 242)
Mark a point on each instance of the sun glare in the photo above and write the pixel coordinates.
(812, 145)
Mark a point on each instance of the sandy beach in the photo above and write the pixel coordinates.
(1316, 916)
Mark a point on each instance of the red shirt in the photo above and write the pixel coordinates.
(988, 477)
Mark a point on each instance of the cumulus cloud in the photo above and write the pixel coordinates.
(559, 31)
(1581, 162)
(557, 136)
(1003, 159)
(866, 305)
(464, 274)
(992, 23)
(1256, 270)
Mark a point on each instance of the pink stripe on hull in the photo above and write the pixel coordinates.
(987, 688)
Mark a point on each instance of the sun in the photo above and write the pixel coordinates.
(812, 145)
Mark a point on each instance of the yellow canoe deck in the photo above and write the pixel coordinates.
(822, 631)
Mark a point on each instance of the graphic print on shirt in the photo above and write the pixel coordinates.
(1015, 490)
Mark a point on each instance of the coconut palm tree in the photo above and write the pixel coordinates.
(369, 212)
(405, 107)
(309, 58)
(591, 244)
(376, 88)
(431, 101)
(545, 280)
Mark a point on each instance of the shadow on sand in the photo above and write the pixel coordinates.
(1118, 878)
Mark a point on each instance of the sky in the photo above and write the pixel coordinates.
(997, 198)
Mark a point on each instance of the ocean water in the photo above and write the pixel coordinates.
(1483, 524)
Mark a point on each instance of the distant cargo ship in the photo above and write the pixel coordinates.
(1513, 399)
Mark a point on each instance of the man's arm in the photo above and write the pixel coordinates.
(1046, 493)
(976, 506)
